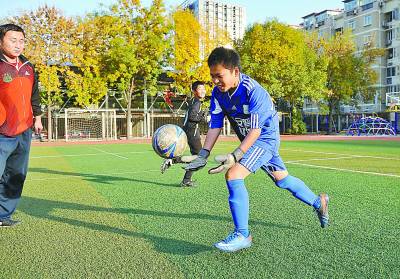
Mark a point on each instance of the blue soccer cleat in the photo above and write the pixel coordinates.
(322, 211)
(234, 242)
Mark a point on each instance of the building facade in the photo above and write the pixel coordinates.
(213, 15)
(375, 22)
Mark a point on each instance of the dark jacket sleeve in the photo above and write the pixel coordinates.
(35, 98)
(195, 113)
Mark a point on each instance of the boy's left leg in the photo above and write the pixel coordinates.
(277, 171)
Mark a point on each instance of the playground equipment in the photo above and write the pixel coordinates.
(371, 126)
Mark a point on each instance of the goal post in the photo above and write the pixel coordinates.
(90, 124)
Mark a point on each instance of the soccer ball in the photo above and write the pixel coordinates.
(169, 141)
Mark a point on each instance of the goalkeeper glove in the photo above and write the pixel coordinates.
(227, 161)
(199, 162)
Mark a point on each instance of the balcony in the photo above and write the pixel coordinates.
(352, 12)
(392, 98)
(385, 25)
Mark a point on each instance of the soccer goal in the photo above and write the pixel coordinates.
(90, 124)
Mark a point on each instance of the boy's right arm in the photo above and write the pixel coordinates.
(211, 138)
(201, 161)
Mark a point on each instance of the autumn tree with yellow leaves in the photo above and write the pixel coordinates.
(136, 47)
(50, 40)
(191, 47)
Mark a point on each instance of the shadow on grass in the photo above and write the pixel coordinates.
(100, 178)
(41, 208)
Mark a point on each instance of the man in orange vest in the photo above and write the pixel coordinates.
(19, 96)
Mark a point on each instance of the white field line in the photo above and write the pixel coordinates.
(91, 154)
(319, 159)
(83, 155)
(332, 153)
(151, 171)
(109, 153)
(345, 170)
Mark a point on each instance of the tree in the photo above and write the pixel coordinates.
(50, 37)
(88, 82)
(192, 44)
(280, 58)
(349, 73)
(135, 47)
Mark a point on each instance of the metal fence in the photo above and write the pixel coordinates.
(141, 129)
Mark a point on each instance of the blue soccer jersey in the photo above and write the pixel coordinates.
(249, 107)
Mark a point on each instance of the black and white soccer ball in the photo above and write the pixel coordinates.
(169, 141)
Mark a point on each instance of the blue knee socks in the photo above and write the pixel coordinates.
(239, 205)
(299, 190)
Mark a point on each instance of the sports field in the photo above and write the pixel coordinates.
(105, 211)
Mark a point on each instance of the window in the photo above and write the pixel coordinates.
(390, 53)
(367, 20)
(308, 22)
(349, 6)
(395, 14)
(366, 2)
(351, 25)
(389, 37)
(390, 71)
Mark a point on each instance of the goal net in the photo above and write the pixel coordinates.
(90, 124)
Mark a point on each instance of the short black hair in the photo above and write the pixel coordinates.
(226, 57)
(9, 27)
(196, 84)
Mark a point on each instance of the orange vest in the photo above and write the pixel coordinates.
(16, 88)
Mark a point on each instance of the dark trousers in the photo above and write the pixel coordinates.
(14, 156)
(194, 141)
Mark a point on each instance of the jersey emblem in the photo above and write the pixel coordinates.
(7, 78)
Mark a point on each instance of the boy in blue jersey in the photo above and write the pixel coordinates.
(252, 114)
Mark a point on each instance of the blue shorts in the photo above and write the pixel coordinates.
(257, 157)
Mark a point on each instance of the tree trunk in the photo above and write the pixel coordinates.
(331, 105)
(129, 110)
(49, 122)
(129, 117)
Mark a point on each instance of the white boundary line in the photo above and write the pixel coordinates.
(318, 159)
(332, 153)
(109, 153)
(81, 155)
(346, 170)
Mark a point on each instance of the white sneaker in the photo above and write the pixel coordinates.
(165, 165)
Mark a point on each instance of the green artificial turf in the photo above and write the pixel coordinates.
(105, 211)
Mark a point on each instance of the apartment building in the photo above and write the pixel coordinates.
(217, 14)
(375, 22)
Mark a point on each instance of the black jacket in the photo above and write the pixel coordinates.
(194, 115)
